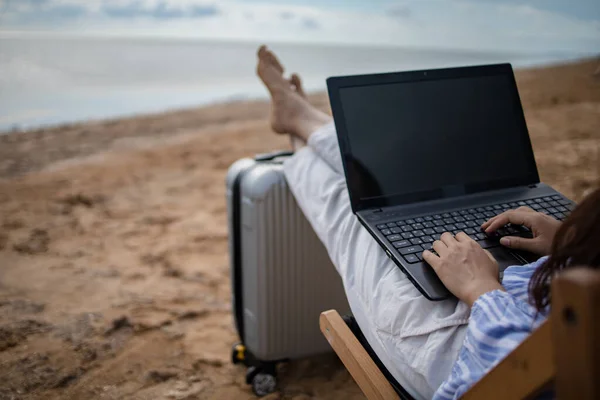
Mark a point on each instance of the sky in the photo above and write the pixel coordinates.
(540, 26)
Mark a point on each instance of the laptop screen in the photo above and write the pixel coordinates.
(424, 139)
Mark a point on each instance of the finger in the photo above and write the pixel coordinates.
(489, 221)
(497, 222)
(486, 224)
(448, 239)
(462, 237)
(431, 259)
(526, 209)
(522, 209)
(440, 247)
(519, 243)
(510, 217)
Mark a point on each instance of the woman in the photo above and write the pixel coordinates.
(502, 315)
(433, 349)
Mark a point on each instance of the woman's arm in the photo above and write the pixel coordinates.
(543, 227)
(499, 322)
(467, 270)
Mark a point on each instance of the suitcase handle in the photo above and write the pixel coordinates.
(273, 155)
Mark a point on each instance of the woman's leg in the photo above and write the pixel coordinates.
(417, 340)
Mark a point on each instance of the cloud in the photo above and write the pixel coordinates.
(120, 9)
(160, 10)
(451, 24)
(66, 11)
(286, 15)
(41, 10)
(497, 25)
(399, 10)
(310, 23)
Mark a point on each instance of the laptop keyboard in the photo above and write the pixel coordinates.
(414, 235)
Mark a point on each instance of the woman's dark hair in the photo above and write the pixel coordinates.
(577, 243)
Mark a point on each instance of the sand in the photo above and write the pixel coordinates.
(114, 274)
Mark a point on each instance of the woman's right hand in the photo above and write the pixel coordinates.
(542, 226)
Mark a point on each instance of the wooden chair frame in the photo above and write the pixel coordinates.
(563, 353)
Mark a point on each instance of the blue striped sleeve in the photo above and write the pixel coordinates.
(516, 278)
(499, 322)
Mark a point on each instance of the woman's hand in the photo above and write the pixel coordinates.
(542, 226)
(467, 270)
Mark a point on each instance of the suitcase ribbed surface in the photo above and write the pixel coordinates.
(290, 281)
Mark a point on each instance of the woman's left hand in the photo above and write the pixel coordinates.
(467, 270)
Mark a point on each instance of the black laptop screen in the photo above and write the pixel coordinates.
(428, 139)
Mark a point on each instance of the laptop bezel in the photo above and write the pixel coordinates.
(334, 84)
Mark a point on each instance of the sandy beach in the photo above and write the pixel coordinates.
(114, 273)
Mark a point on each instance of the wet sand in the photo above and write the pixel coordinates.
(114, 274)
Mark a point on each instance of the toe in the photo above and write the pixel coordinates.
(264, 61)
(297, 83)
(274, 61)
(262, 52)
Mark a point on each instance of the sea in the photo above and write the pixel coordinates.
(50, 80)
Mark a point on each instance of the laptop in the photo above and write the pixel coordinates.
(434, 151)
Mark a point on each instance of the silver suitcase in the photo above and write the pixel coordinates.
(282, 277)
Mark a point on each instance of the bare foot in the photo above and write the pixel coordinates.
(296, 83)
(290, 111)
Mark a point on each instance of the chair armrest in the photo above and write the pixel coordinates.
(356, 359)
(576, 333)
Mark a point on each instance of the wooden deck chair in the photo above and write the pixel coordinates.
(563, 353)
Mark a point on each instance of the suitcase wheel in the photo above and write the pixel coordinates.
(263, 382)
(238, 353)
(261, 375)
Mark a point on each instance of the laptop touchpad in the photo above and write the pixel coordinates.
(504, 257)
